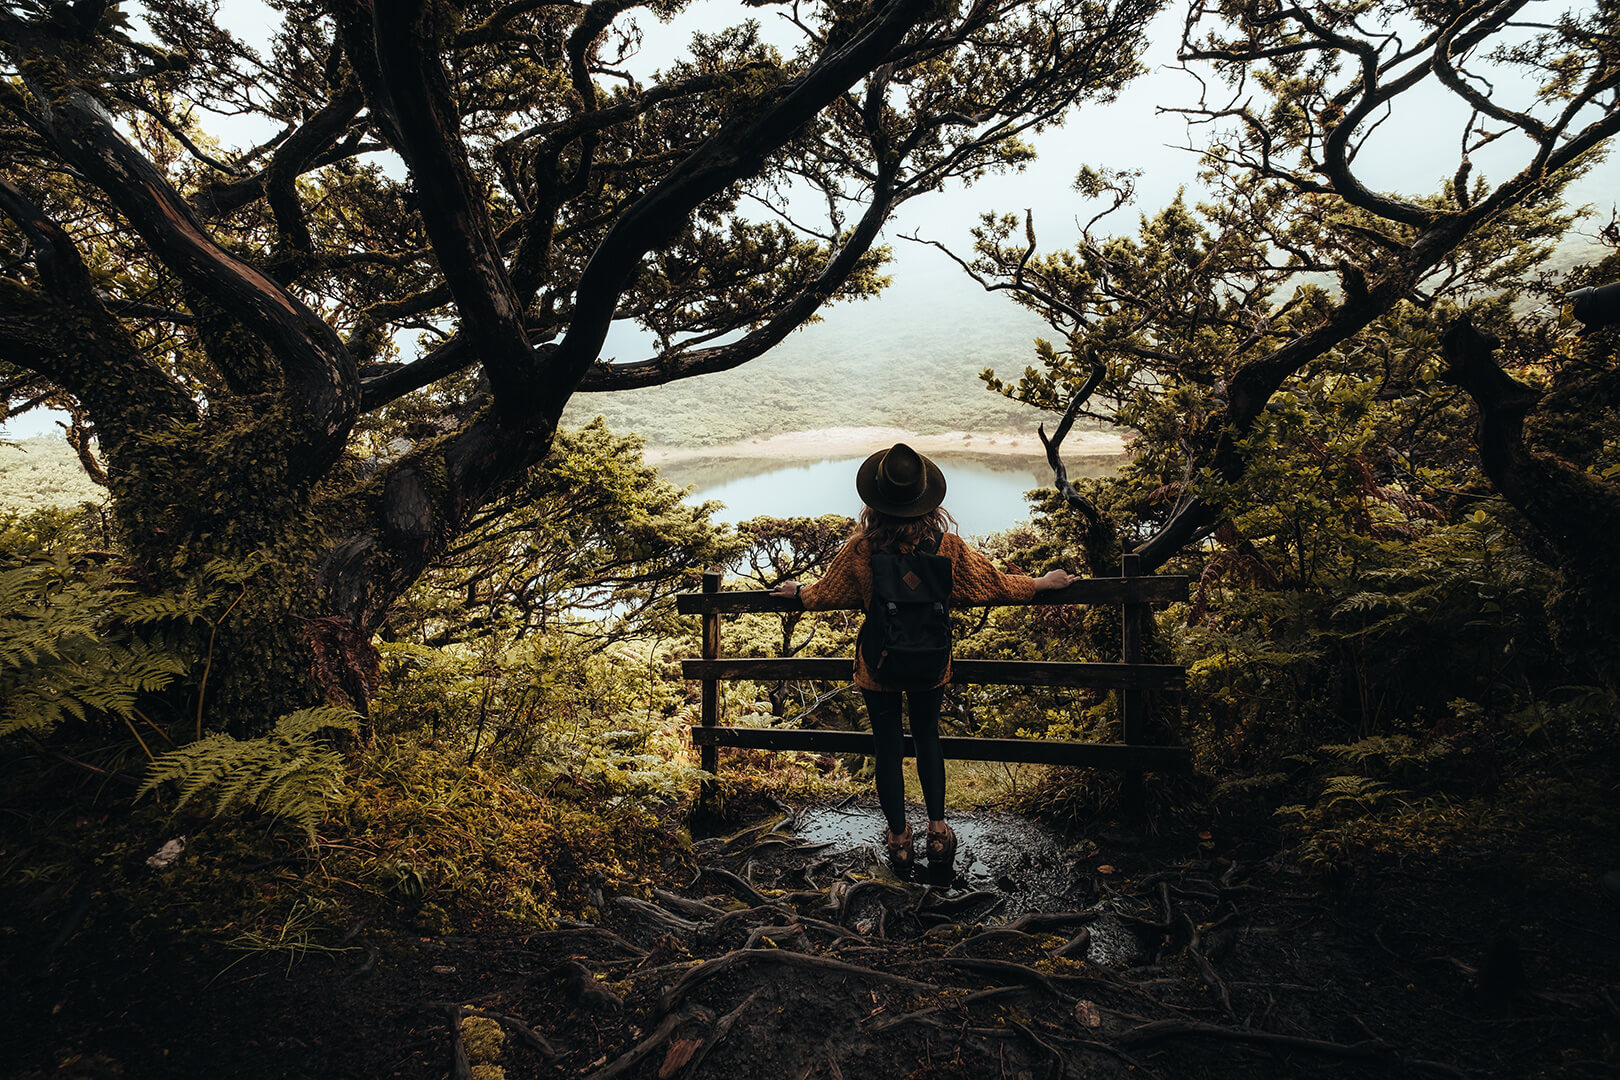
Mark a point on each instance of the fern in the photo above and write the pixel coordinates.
(1358, 793)
(65, 650)
(289, 774)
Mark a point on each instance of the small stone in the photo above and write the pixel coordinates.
(167, 855)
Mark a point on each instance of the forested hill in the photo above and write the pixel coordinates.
(909, 359)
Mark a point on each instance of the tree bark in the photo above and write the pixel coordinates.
(428, 497)
(1578, 514)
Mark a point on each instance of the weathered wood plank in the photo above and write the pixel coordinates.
(1007, 672)
(711, 651)
(1151, 588)
(1135, 620)
(1052, 752)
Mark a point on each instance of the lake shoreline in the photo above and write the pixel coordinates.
(844, 442)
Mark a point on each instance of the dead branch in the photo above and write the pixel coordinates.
(1101, 538)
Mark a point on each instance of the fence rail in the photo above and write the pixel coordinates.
(1137, 682)
(1003, 672)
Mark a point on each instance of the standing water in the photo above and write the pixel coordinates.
(985, 493)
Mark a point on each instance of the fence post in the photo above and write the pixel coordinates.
(1132, 701)
(711, 686)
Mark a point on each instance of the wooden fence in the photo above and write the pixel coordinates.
(1136, 681)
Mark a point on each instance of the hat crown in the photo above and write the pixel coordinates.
(901, 474)
(900, 482)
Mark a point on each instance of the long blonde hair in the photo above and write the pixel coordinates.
(885, 532)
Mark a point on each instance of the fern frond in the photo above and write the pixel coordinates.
(289, 773)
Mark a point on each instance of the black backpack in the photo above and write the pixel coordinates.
(906, 639)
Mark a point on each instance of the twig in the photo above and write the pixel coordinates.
(1205, 969)
(652, 913)
(208, 662)
(526, 1034)
(1021, 972)
(995, 933)
(601, 933)
(1077, 946)
(774, 934)
(1040, 921)
(691, 909)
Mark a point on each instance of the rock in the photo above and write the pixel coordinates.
(167, 855)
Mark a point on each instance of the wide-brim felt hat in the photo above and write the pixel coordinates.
(900, 482)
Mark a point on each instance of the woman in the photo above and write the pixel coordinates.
(903, 491)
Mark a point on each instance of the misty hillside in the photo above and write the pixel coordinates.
(909, 359)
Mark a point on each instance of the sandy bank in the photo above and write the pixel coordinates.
(838, 442)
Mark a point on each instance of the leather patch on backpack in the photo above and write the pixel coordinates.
(912, 580)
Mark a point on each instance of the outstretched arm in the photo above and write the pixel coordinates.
(977, 580)
(842, 586)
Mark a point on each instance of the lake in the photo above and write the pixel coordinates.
(984, 492)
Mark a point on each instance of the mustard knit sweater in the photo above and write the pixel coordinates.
(848, 584)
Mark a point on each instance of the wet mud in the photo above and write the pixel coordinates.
(1016, 865)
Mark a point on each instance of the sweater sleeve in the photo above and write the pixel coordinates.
(846, 583)
(975, 578)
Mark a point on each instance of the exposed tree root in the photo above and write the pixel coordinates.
(722, 1028)
(643, 1049)
(733, 960)
(910, 976)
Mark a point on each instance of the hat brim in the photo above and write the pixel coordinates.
(866, 485)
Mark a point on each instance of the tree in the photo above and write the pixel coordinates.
(233, 326)
(592, 531)
(1564, 479)
(789, 549)
(1189, 332)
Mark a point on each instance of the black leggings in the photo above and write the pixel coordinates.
(883, 706)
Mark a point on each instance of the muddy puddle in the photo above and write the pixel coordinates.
(1025, 865)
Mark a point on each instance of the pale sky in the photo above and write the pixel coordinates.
(1412, 153)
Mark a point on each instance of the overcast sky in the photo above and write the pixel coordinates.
(1412, 153)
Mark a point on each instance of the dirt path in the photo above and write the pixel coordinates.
(788, 950)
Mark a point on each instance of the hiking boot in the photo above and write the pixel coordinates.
(902, 852)
(941, 847)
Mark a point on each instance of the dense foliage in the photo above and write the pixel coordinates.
(340, 350)
(1396, 639)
